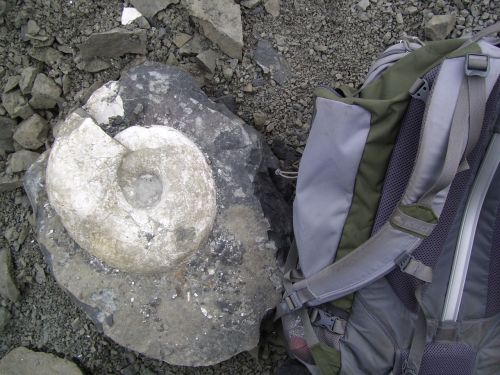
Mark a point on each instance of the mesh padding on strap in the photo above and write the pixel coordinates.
(445, 359)
(493, 297)
(397, 176)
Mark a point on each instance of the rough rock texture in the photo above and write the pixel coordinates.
(114, 43)
(273, 7)
(7, 126)
(149, 8)
(7, 287)
(439, 27)
(16, 104)
(28, 76)
(32, 132)
(221, 22)
(210, 307)
(22, 361)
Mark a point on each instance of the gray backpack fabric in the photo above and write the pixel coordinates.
(398, 201)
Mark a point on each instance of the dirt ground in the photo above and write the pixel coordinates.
(324, 43)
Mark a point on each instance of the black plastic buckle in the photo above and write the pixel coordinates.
(323, 319)
(420, 89)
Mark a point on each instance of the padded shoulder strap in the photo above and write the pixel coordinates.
(445, 137)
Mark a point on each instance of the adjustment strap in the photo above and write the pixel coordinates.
(409, 264)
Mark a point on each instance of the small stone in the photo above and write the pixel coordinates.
(32, 28)
(7, 287)
(12, 83)
(93, 66)
(21, 160)
(4, 6)
(248, 88)
(363, 5)
(114, 43)
(28, 76)
(221, 23)
(32, 132)
(399, 18)
(439, 27)
(250, 3)
(208, 60)
(40, 277)
(142, 23)
(11, 234)
(149, 8)
(22, 361)
(227, 72)
(259, 119)
(273, 7)
(139, 108)
(16, 104)
(5, 317)
(181, 38)
(129, 15)
(45, 93)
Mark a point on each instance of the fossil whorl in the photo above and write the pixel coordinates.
(141, 202)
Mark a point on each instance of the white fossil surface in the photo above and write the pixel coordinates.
(141, 202)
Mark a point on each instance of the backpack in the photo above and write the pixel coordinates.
(395, 267)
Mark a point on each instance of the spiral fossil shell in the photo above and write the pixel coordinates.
(141, 202)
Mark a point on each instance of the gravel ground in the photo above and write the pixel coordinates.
(324, 43)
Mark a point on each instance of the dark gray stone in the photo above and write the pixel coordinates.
(6, 132)
(4, 318)
(12, 83)
(28, 76)
(210, 308)
(93, 66)
(149, 8)
(114, 43)
(271, 62)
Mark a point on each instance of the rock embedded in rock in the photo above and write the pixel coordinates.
(221, 23)
(22, 361)
(16, 105)
(21, 160)
(8, 288)
(207, 308)
(273, 7)
(114, 43)
(28, 76)
(45, 93)
(149, 8)
(271, 62)
(32, 132)
(439, 27)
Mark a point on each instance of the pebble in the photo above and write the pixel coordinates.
(16, 105)
(273, 7)
(45, 93)
(12, 83)
(181, 38)
(5, 317)
(40, 277)
(28, 76)
(440, 26)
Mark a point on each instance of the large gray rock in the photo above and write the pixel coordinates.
(221, 23)
(8, 288)
(32, 132)
(22, 361)
(439, 27)
(114, 43)
(207, 307)
(149, 8)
